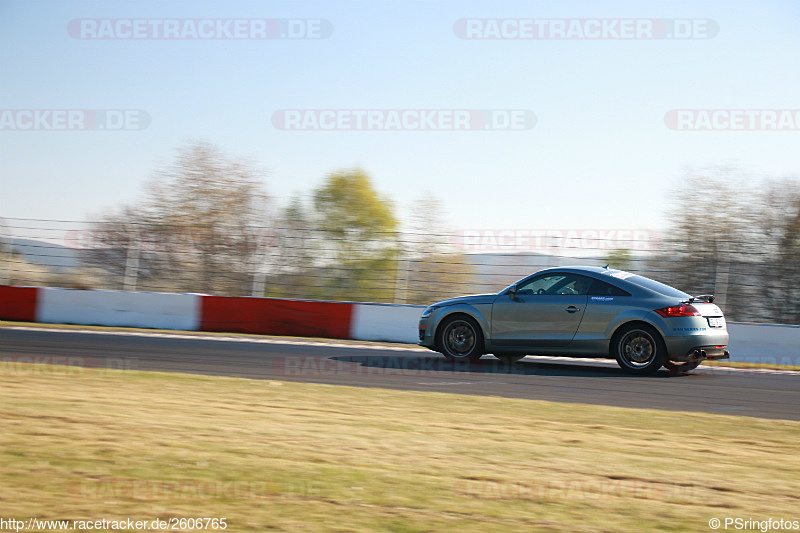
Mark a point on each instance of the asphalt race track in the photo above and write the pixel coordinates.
(757, 393)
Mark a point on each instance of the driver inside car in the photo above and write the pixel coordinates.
(579, 286)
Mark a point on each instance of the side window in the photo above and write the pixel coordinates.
(575, 285)
(556, 284)
(542, 285)
(601, 288)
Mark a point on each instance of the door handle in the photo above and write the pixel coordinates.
(572, 309)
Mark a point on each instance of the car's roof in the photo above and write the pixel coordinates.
(626, 280)
(579, 269)
(619, 276)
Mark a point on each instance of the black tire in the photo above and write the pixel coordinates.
(681, 368)
(460, 338)
(509, 358)
(639, 349)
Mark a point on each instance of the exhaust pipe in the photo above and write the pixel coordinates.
(699, 354)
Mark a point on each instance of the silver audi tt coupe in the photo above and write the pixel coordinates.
(581, 312)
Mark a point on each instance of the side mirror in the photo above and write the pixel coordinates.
(512, 291)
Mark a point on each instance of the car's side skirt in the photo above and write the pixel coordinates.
(582, 348)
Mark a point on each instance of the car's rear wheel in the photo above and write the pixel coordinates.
(639, 349)
(460, 338)
(680, 368)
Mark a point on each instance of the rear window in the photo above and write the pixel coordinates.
(656, 286)
(601, 288)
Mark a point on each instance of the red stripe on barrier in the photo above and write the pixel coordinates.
(18, 303)
(268, 316)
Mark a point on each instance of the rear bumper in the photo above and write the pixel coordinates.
(703, 353)
(698, 346)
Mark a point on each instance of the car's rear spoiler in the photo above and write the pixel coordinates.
(708, 298)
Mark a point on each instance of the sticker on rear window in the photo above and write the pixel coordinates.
(619, 274)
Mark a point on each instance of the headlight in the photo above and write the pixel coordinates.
(428, 310)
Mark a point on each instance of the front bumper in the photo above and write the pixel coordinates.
(425, 334)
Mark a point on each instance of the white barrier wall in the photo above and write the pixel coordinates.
(118, 308)
(764, 343)
(384, 322)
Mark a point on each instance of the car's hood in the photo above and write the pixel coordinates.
(470, 300)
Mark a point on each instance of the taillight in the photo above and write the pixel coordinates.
(678, 310)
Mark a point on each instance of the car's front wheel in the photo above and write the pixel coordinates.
(639, 349)
(461, 338)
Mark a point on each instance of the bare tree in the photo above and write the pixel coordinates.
(737, 238)
(434, 268)
(199, 228)
(295, 274)
(778, 224)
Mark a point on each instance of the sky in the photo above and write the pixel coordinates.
(601, 154)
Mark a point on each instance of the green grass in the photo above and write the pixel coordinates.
(279, 456)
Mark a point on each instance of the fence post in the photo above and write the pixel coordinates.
(131, 268)
(401, 282)
(5, 250)
(259, 274)
(721, 283)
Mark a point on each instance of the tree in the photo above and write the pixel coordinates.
(200, 227)
(738, 239)
(357, 238)
(295, 274)
(778, 223)
(620, 259)
(432, 268)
